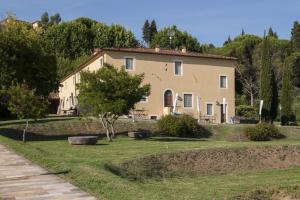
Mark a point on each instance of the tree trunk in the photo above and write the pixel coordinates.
(24, 131)
(112, 130)
(108, 135)
(251, 99)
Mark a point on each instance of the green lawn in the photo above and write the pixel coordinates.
(84, 167)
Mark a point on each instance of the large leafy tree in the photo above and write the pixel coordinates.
(25, 104)
(243, 48)
(171, 37)
(268, 89)
(109, 93)
(286, 97)
(23, 58)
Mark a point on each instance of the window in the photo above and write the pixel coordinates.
(74, 80)
(209, 109)
(187, 100)
(178, 68)
(78, 78)
(128, 63)
(66, 85)
(223, 81)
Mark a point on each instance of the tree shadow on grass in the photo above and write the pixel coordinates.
(16, 134)
(174, 139)
(39, 121)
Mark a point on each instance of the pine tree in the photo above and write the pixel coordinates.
(146, 32)
(286, 93)
(153, 30)
(296, 36)
(268, 88)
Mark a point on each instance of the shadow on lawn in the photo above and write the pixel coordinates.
(16, 134)
(39, 121)
(174, 139)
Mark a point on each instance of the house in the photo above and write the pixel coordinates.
(202, 85)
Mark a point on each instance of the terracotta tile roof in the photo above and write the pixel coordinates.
(98, 52)
(169, 52)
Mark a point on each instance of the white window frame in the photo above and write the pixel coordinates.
(212, 109)
(101, 62)
(220, 75)
(146, 101)
(192, 100)
(133, 63)
(174, 66)
(78, 77)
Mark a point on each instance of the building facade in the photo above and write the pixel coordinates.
(181, 82)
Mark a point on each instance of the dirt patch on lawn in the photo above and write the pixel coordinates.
(210, 161)
(287, 193)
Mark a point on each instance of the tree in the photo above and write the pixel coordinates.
(227, 41)
(268, 87)
(243, 32)
(271, 33)
(286, 93)
(109, 93)
(243, 47)
(45, 19)
(173, 38)
(153, 30)
(119, 37)
(146, 32)
(25, 104)
(55, 19)
(295, 62)
(296, 36)
(23, 58)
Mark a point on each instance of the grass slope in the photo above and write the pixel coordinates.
(84, 166)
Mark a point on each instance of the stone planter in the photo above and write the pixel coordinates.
(137, 135)
(83, 140)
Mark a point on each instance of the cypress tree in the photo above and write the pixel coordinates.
(146, 32)
(268, 88)
(271, 33)
(286, 93)
(153, 30)
(243, 32)
(296, 36)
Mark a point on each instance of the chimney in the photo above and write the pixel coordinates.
(96, 50)
(157, 48)
(183, 49)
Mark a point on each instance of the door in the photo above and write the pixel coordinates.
(223, 113)
(168, 98)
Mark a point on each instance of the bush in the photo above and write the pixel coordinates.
(262, 132)
(179, 126)
(246, 111)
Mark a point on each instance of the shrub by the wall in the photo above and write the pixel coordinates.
(179, 126)
(262, 132)
(246, 111)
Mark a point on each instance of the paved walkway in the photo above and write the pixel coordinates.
(20, 179)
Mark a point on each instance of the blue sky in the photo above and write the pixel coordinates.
(211, 21)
